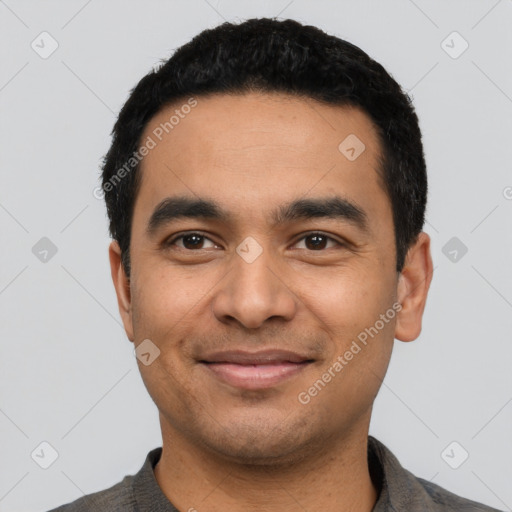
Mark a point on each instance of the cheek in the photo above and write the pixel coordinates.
(349, 309)
(347, 300)
(360, 343)
(163, 300)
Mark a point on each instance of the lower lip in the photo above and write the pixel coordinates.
(259, 376)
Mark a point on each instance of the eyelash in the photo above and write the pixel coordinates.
(170, 242)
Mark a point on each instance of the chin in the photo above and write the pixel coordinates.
(265, 444)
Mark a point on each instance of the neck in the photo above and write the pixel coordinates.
(336, 480)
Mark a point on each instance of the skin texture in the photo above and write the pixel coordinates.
(224, 446)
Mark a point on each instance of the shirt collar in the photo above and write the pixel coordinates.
(146, 491)
(399, 488)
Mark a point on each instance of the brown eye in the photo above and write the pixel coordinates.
(191, 241)
(318, 241)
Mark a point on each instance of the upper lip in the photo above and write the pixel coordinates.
(261, 357)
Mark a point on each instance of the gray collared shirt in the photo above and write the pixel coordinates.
(399, 490)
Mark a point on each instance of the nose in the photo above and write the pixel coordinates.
(253, 292)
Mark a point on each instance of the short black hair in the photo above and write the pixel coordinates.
(270, 55)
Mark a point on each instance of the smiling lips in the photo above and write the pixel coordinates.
(255, 370)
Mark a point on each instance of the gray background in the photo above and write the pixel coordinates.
(67, 371)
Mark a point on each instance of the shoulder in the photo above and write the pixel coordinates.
(446, 500)
(117, 497)
(401, 490)
(127, 495)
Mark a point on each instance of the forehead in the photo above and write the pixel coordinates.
(259, 149)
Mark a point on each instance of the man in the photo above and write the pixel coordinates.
(266, 190)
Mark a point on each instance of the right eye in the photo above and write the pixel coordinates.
(190, 241)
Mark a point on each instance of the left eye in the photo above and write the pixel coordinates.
(317, 241)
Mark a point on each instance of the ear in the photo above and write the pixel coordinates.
(413, 285)
(122, 286)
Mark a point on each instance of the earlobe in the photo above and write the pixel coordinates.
(122, 287)
(413, 285)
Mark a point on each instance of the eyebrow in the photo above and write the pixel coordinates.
(183, 207)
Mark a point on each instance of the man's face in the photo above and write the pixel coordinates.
(251, 309)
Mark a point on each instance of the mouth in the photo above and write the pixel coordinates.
(255, 370)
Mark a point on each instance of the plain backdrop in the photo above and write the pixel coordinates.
(68, 376)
